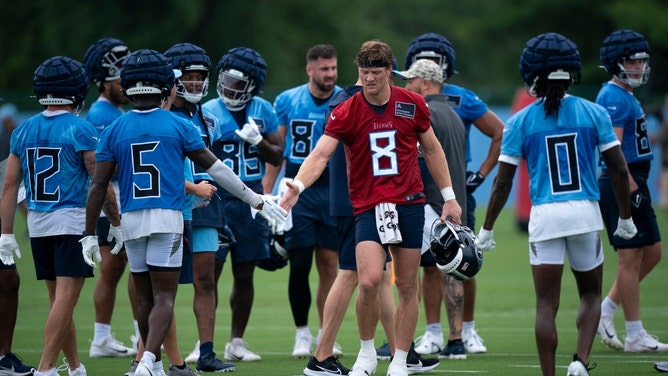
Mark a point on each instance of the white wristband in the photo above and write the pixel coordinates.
(299, 184)
(448, 194)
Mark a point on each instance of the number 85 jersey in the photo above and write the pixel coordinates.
(242, 157)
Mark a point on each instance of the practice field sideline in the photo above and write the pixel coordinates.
(504, 317)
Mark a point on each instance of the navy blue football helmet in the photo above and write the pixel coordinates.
(189, 57)
(550, 56)
(103, 60)
(147, 72)
(241, 75)
(278, 255)
(622, 45)
(453, 247)
(60, 80)
(434, 47)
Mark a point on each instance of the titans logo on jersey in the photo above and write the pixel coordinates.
(243, 158)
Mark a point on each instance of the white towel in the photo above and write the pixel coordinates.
(387, 223)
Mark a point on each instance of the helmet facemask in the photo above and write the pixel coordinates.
(634, 77)
(453, 247)
(113, 60)
(235, 88)
(439, 59)
(193, 90)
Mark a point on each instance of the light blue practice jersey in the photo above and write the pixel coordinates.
(626, 112)
(49, 149)
(304, 119)
(561, 153)
(243, 158)
(102, 113)
(149, 148)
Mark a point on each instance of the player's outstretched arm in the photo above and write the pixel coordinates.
(310, 170)
(227, 179)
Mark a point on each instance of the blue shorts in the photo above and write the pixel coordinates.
(252, 235)
(186, 276)
(59, 256)
(205, 239)
(411, 223)
(645, 220)
(312, 225)
(345, 226)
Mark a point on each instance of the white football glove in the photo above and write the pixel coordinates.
(274, 213)
(250, 132)
(626, 229)
(90, 249)
(485, 240)
(115, 233)
(8, 247)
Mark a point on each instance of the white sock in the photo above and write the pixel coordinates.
(148, 356)
(608, 307)
(304, 331)
(317, 338)
(101, 332)
(399, 358)
(157, 367)
(367, 348)
(435, 328)
(633, 328)
(468, 325)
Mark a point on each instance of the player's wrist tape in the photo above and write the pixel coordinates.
(448, 194)
(299, 184)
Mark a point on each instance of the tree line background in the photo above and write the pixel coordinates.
(488, 35)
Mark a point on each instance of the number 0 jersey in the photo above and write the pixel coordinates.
(561, 152)
(381, 148)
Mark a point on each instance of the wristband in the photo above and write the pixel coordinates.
(448, 194)
(299, 184)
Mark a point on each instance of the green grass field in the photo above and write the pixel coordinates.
(504, 318)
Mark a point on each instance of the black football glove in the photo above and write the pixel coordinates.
(473, 180)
